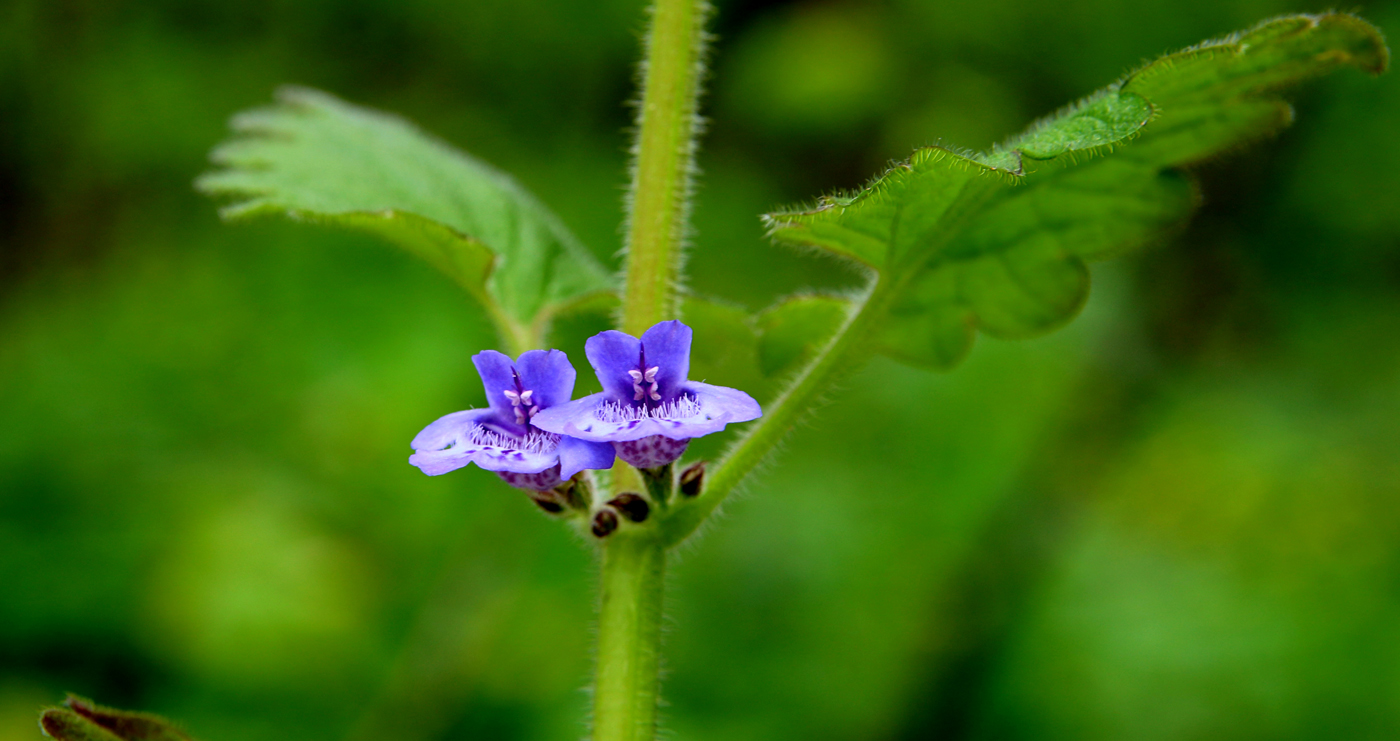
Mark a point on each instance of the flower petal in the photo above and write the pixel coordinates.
(612, 354)
(721, 401)
(450, 429)
(591, 418)
(438, 462)
(576, 455)
(513, 460)
(446, 445)
(574, 415)
(549, 374)
(498, 376)
(667, 348)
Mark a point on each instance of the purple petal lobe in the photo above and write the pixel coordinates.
(646, 394)
(612, 354)
(576, 455)
(461, 438)
(498, 376)
(577, 415)
(450, 428)
(700, 409)
(721, 401)
(667, 348)
(548, 374)
(436, 463)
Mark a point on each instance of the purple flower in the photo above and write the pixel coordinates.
(503, 437)
(648, 408)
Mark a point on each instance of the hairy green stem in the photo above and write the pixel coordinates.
(667, 125)
(629, 638)
(629, 621)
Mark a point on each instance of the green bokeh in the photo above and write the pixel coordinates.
(1177, 518)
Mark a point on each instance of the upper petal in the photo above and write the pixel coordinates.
(498, 376)
(549, 374)
(667, 348)
(612, 354)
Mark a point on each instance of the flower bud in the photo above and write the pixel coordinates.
(547, 504)
(632, 506)
(604, 523)
(693, 479)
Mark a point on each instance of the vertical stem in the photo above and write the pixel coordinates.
(629, 620)
(665, 152)
(629, 638)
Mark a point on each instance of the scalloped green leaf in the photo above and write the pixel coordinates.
(1000, 241)
(1101, 120)
(313, 157)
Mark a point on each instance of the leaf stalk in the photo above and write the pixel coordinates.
(840, 357)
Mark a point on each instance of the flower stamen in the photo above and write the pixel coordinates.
(684, 407)
(535, 441)
(647, 377)
(521, 402)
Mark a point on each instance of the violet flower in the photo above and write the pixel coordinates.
(503, 437)
(648, 409)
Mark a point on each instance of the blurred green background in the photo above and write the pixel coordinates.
(1178, 518)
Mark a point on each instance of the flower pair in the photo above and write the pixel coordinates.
(534, 437)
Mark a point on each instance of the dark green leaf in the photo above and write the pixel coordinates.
(316, 158)
(999, 241)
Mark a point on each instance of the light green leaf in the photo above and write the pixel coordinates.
(793, 330)
(728, 344)
(315, 158)
(1101, 120)
(999, 241)
(755, 353)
